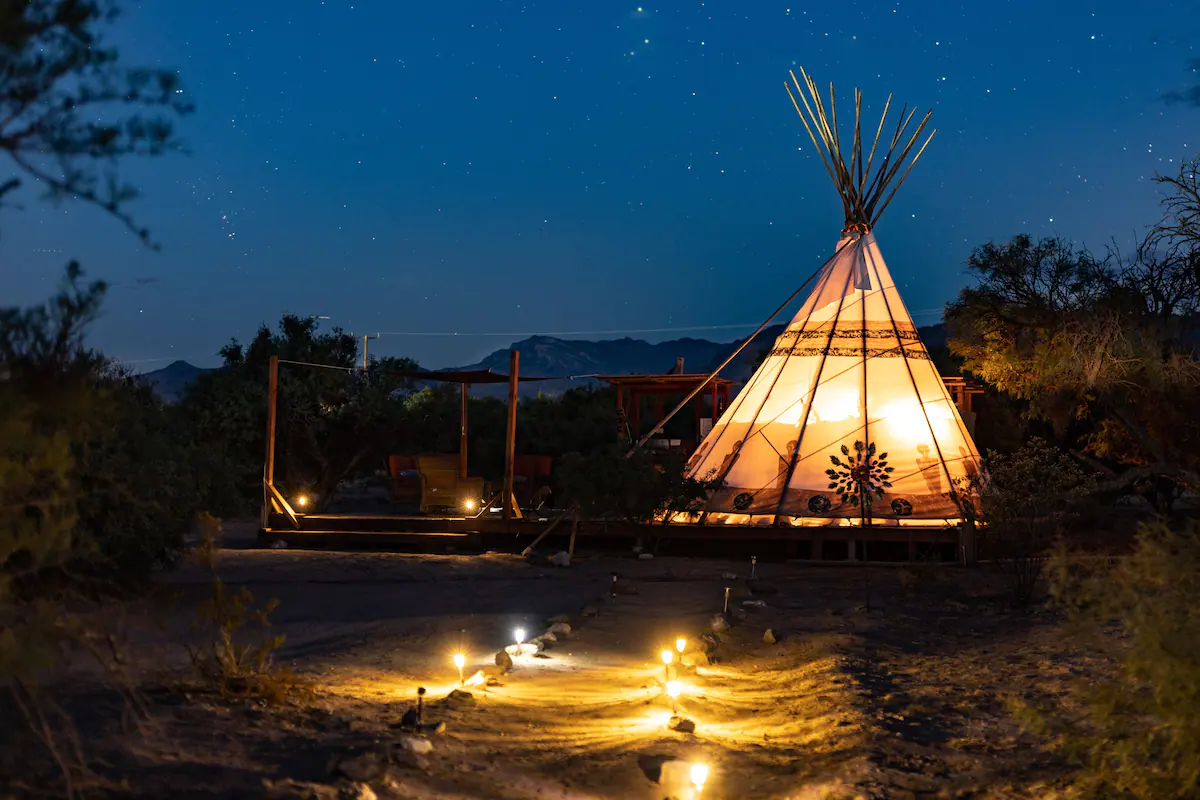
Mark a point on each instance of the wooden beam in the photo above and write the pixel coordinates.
(269, 466)
(510, 437)
(462, 435)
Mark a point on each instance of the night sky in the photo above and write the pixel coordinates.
(507, 168)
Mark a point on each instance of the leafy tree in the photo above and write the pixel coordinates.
(333, 422)
(69, 110)
(1105, 349)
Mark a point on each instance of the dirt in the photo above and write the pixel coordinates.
(884, 682)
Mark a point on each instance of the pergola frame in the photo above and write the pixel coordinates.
(273, 499)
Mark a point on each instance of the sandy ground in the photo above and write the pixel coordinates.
(907, 698)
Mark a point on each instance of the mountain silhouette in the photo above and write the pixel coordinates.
(573, 363)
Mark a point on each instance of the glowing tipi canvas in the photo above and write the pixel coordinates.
(847, 418)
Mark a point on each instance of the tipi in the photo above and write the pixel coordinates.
(847, 420)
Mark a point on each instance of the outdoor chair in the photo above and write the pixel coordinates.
(441, 485)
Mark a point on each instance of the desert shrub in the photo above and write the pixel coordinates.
(1136, 733)
(227, 658)
(1026, 500)
(611, 484)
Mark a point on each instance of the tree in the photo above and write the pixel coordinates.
(69, 110)
(332, 419)
(1103, 348)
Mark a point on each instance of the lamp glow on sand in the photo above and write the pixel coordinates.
(519, 636)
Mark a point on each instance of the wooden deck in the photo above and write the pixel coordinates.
(471, 534)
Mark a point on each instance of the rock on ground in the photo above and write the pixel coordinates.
(769, 637)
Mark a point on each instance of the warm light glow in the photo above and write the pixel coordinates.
(673, 689)
(667, 656)
(476, 679)
(469, 505)
(519, 635)
(680, 644)
(699, 775)
(301, 500)
(459, 660)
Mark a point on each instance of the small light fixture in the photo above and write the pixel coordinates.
(469, 505)
(667, 658)
(681, 644)
(673, 690)
(519, 635)
(460, 661)
(302, 501)
(699, 776)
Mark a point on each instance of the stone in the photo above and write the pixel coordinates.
(458, 697)
(681, 724)
(356, 791)
(361, 767)
(645, 556)
(695, 658)
(769, 637)
(754, 604)
(729, 576)
(558, 618)
(560, 559)
(539, 643)
(504, 660)
(588, 611)
(493, 670)
(562, 629)
(418, 745)
(279, 544)
(718, 624)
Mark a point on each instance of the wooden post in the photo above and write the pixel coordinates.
(462, 434)
(714, 404)
(269, 466)
(510, 438)
(366, 363)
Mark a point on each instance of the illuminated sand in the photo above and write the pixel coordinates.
(909, 699)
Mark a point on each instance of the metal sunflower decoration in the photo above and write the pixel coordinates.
(861, 477)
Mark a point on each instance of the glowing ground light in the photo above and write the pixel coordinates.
(673, 690)
(301, 501)
(699, 776)
(667, 658)
(519, 635)
(469, 505)
(460, 661)
(681, 644)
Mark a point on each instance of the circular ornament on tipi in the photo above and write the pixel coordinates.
(819, 504)
(743, 501)
(901, 507)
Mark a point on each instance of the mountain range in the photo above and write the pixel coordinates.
(572, 363)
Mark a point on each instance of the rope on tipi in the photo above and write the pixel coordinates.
(863, 194)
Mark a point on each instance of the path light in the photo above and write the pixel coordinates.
(699, 776)
(673, 690)
(753, 564)
(302, 501)
(460, 661)
(519, 635)
(667, 658)
(681, 644)
(726, 599)
(469, 505)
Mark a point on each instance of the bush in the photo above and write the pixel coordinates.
(1135, 734)
(610, 484)
(1027, 498)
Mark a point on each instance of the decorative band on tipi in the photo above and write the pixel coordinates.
(847, 416)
